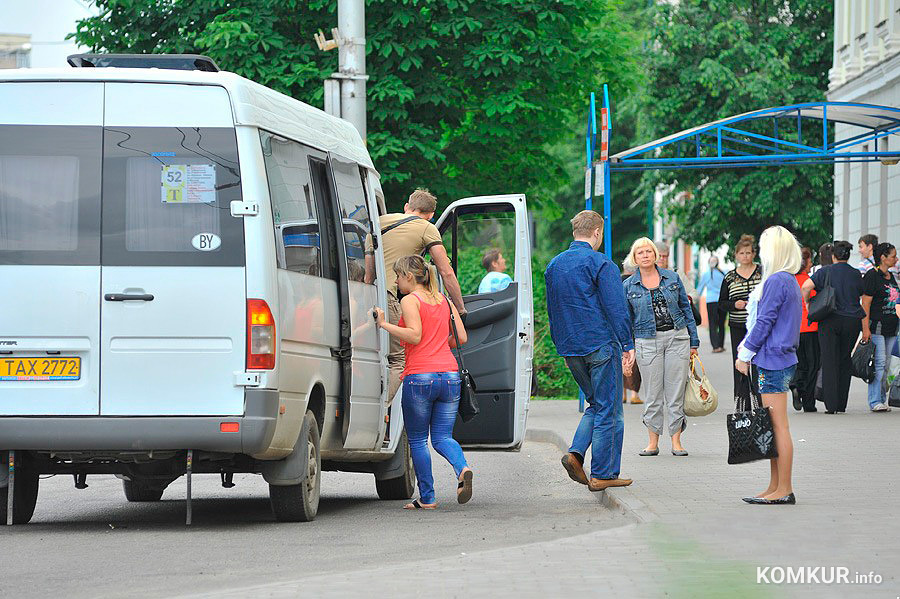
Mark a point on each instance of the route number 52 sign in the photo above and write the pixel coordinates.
(188, 183)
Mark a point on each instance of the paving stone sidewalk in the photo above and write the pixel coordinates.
(845, 479)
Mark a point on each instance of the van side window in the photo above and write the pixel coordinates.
(293, 205)
(354, 214)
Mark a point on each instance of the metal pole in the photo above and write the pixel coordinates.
(352, 62)
(11, 489)
(607, 211)
(188, 470)
(590, 141)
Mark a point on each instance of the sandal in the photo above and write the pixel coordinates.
(415, 505)
(464, 489)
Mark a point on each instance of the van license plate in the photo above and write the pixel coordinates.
(40, 369)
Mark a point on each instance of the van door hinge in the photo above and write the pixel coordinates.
(247, 379)
(341, 353)
(239, 208)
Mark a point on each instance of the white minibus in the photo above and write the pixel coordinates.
(183, 289)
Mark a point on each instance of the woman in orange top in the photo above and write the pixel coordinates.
(803, 387)
(431, 381)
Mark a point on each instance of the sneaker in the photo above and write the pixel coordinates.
(880, 408)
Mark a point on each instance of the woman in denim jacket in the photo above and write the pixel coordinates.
(665, 338)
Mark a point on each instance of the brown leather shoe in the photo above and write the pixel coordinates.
(598, 484)
(574, 468)
(636, 400)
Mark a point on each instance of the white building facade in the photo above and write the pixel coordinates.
(33, 32)
(866, 69)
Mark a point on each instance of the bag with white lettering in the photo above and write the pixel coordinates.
(750, 433)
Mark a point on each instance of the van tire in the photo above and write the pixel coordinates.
(300, 503)
(402, 487)
(25, 493)
(141, 491)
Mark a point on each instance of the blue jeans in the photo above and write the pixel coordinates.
(884, 348)
(603, 425)
(431, 401)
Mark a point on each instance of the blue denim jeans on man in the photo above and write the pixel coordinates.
(602, 428)
(884, 348)
(431, 401)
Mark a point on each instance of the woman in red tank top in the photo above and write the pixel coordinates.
(431, 380)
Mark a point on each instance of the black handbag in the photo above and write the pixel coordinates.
(894, 393)
(862, 363)
(821, 305)
(468, 404)
(698, 319)
(750, 433)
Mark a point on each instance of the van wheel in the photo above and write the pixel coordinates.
(402, 487)
(137, 490)
(25, 492)
(300, 503)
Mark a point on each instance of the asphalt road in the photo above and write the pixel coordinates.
(94, 543)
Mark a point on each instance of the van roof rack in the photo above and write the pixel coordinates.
(178, 62)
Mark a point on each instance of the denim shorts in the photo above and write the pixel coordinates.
(775, 381)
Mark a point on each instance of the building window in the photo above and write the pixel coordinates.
(15, 51)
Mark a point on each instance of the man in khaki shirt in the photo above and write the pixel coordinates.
(410, 233)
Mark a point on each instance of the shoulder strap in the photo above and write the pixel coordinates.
(402, 221)
(462, 364)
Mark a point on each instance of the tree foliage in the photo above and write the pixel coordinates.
(465, 97)
(715, 58)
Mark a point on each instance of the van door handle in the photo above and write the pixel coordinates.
(128, 297)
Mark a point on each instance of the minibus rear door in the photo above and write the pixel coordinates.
(175, 310)
(500, 313)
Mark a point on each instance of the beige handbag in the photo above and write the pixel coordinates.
(700, 398)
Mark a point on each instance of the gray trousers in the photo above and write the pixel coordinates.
(664, 361)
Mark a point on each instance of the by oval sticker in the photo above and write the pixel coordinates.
(206, 242)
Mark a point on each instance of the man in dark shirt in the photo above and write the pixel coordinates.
(591, 328)
(839, 330)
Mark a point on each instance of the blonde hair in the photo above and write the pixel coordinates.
(585, 223)
(778, 252)
(422, 273)
(422, 200)
(638, 244)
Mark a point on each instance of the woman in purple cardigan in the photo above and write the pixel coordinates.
(773, 334)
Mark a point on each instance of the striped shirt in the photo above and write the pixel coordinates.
(736, 288)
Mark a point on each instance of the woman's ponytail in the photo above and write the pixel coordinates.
(423, 273)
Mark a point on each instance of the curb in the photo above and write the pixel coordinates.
(623, 501)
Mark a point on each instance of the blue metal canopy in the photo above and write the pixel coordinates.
(795, 134)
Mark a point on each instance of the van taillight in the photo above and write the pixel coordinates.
(260, 336)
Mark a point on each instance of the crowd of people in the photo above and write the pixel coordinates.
(609, 326)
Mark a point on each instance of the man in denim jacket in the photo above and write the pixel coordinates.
(591, 328)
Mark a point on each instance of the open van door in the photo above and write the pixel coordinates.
(500, 320)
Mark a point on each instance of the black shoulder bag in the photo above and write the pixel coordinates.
(750, 433)
(468, 404)
(821, 305)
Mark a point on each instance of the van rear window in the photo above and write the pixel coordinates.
(50, 194)
(167, 196)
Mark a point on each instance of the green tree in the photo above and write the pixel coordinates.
(716, 58)
(465, 97)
